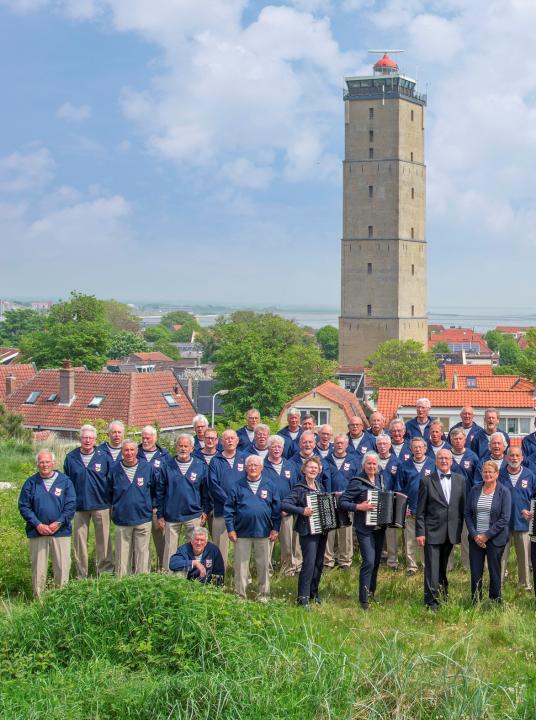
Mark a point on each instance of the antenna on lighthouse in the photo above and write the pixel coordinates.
(384, 52)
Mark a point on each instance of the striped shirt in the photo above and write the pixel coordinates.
(49, 482)
(130, 471)
(114, 451)
(483, 510)
(87, 457)
(184, 466)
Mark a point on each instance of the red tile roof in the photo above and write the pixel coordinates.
(391, 399)
(512, 329)
(458, 335)
(8, 353)
(485, 380)
(333, 392)
(155, 356)
(23, 373)
(467, 370)
(135, 398)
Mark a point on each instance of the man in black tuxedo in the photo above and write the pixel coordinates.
(438, 524)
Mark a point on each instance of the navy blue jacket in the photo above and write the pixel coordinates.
(356, 493)
(285, 481)
(222, 478)
(430, 451)
(405, 452)
(159, 458)
(296, 502)
(467, 467)
(291, 446)
(478, 472)
(528, 446)
(408, 479)
(182, 497)
(37, 505)
(470, 435)
(390, 472)
(91, 483)
(326, 473)
(211, 558)
(350, 467)
(480, 444)
(243, 438)
(106, 449)
(413, 429)
(520, 495)
(367, 443)
(197, 445)
(499, 515)
(253, 515)
(133, 502)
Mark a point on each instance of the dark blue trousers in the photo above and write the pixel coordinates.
(370, 546)
(477, 556)
(312, 547)
(436, 585)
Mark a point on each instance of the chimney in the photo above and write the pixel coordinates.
(11, 385)
(66, 383)
(454, 380)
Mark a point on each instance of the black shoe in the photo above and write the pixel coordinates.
(303, 602)
(316, 599)
(364, 606)
(433, 608)
(344, 568)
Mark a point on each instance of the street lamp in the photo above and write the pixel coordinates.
(220, 392)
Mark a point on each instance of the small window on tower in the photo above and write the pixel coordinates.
(413, 311)
(371, 135)
(411, 157)
(412, 233)
(371, 153)
(369, 310)
(412, 116)
(413, 269)
(369, 268)
(370, 231)
(413, 193)
(371, 191)
(371, 113)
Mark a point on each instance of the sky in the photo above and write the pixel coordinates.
(189, 151)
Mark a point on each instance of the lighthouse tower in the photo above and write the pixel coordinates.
(383, 288)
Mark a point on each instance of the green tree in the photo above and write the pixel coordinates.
(18, 323)
(328, 339)
(11, 426)
(209, 342)
(509, 351)
(441, 347)
(76, 329)
(156, 333)
(262, 360)
(186, 320)
(121, 316)
(493, 339)
(403, 363)
(125, 342)
(164, 346)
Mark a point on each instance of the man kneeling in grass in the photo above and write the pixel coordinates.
(199, 559)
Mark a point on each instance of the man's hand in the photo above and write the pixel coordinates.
(527, 515)
(481, 540)
(202, 569)
(161, 523)
(232, 536)
(203, 519)
(307, 511)
(421, 539)
(272, 537)
(43, 529)
(366, 506)
(54, 527)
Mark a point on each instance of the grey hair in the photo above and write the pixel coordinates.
(371, 454)
(251, 457)
(199, 531)
(120, 423)
(261, 426)
(48, 452)
(293, 411)
(89, 428)
(182, 436)
(128, 441)
(384, 436)
(500, 435)
(424, 401)
(397, 421)
(149, 429)
(275, 439)
(200, 419)
(418, 439)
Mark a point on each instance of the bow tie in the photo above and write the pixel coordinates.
(442, 476)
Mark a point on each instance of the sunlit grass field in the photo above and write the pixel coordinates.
(159, 647)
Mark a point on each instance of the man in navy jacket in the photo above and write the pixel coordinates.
(521, 483)
(182, 498)
(343, 466)
(245, 434)
(133, 486)
(199, 559)
(482, 439)
(47, 502)
(420, 424)
(89, 469)
(253, 517)
(156, 456)
(291, 432)
(468, 425)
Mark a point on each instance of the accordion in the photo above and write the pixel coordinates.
(532, 521)
(326, 514)
(390, 510)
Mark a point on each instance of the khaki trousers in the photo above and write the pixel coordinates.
(343, 540)
(103, 541)
(291, 556)
(521, 542)
(392, 536)
(242, 554)
(60, 550)
(220, 537)
(132, 549)
(464, 551)
(172, 533)
(413, 551)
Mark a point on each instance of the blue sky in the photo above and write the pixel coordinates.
(190, 152)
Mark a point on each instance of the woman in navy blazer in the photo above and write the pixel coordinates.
(488, 543)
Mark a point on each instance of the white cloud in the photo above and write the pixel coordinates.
(24, 6)
(23, 172)
(73, 113)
